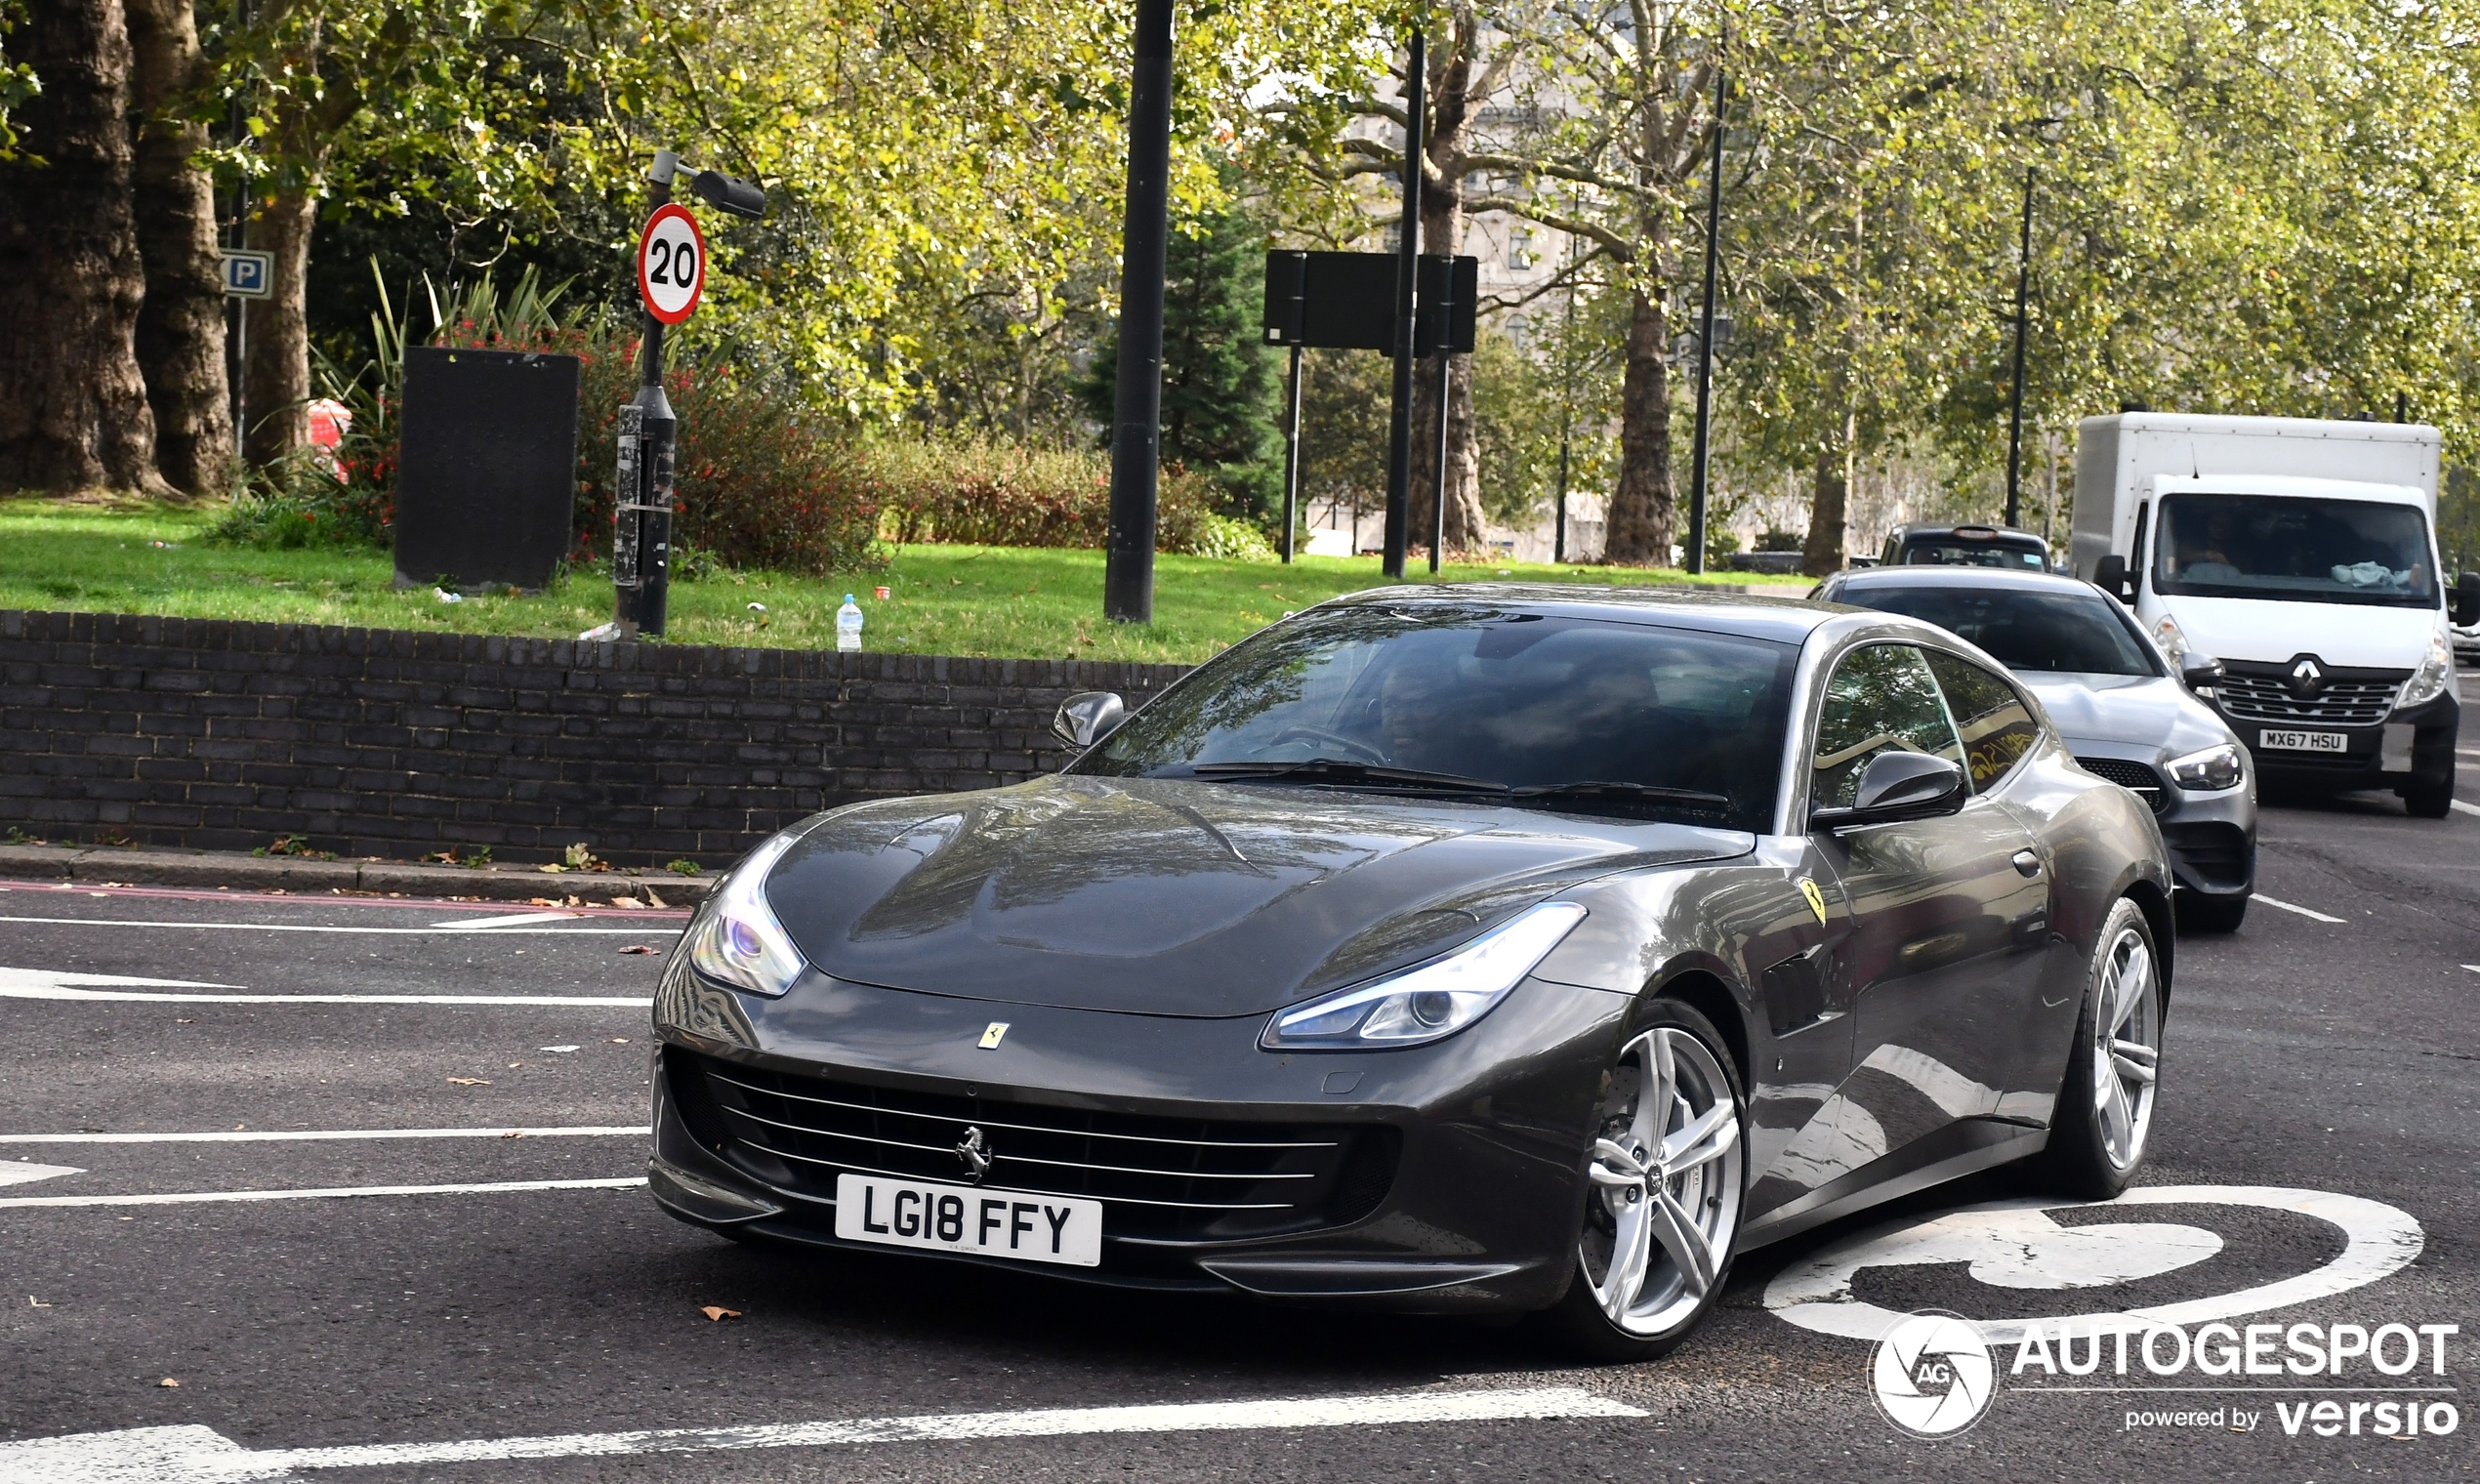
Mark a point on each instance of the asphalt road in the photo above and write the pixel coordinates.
(541, 1295)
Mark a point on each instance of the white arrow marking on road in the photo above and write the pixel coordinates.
(2013, 1244)
(51, 984)
(2294, 907)
(341, 1192)
(27, 1171)
(170, 1455)
(655, 925)
(289, 1136)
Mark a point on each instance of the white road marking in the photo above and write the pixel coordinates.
(2013, 1244)
(26, 1172)
(419, 932)
(340, 1192)
(2468, 808)
(513, 920)
(292, 1135)
(2294, 907)
(166, 1455)
(59, 984)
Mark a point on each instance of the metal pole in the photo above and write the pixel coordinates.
(1705, 340)
(1438, 485)
(2015, 396)
(1407, 268)
(1128, 580)
(1292, 458)
(641, 535)
(1567, 401)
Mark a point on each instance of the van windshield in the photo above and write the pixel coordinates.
(2294, 550)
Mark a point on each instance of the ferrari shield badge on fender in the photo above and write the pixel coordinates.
(999, 1028)
(1807, 888)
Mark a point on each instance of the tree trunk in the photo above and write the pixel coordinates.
(1640, 509)
(181, 325)
(72, 405)
(1442, 233)
(1822, 554)
(277, 385)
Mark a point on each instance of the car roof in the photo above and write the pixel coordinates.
(1789, 619)
(1870, 579)
(1999, 534)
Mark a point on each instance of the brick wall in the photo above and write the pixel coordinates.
(221, 735)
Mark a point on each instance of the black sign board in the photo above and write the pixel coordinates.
(486, 481)
(1347, 300)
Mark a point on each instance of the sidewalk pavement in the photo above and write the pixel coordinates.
(105, 865)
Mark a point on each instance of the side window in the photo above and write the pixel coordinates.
(1880, 697)
(1997, 728)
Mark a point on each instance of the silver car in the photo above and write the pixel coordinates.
(2113, 699)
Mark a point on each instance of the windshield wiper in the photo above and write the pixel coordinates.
(1646, 792)
(1340, 771)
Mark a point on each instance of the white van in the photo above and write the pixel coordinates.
(2302, 557)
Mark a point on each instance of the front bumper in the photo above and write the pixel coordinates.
(2212, 835)
(2370, 762)
(1473, 1207)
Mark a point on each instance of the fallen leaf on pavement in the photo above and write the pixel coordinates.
(626, 901)
(513, 1134)
(167, 1382)
(619, 1041)
(467, 1081)
(636, 948)
(36, 1303)
(714, 1311)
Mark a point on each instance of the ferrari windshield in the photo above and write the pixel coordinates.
(2291, 549)
(1577, 713)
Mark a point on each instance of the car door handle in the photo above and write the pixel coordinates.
(2027, 863)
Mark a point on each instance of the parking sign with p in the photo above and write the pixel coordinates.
(248, 274)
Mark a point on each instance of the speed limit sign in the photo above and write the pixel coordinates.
(671, 263)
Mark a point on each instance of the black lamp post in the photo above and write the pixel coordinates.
(1704, 336)
(1407, 270)
(1128, 577)
(2015, 391)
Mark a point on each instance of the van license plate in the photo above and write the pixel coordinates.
(2306, 741)
(960, 1218)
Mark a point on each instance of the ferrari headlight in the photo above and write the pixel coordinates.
(1436, 1000)
(736, 939)
(2172, 643)
(2434, 674)
(2209, 770)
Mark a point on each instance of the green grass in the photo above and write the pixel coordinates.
(944, 599)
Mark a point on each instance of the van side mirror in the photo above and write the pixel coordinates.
(1897, 786)
(2466, 607)
(2110, 576)
(1088, 717)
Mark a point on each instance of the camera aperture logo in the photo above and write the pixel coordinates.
(1932, 1374)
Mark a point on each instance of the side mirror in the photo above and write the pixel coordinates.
(1897, 786)
(2201, 674)
(2110, 576)
(1088, 717)
(2466, 607)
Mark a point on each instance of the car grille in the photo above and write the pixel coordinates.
(2362, 700)
(2136, 778)
(1166, 1179)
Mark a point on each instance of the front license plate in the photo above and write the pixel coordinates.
(2306, 741)
(959, 1218)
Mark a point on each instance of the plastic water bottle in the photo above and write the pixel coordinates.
(848, 624)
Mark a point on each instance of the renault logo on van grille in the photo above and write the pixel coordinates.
(2305, 678)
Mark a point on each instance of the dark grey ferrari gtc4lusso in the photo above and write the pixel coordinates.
(1465, 950)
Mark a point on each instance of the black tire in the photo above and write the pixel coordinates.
(2429, 797)
(2090, 1154)
(1714, 1190)
(2212, 914)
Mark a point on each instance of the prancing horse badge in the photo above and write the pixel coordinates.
(1816, 899)
(999, 1028)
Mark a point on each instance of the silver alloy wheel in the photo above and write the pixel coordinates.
(2126, 1049)
(1667, 1173)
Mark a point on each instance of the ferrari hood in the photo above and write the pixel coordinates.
(1178, 897)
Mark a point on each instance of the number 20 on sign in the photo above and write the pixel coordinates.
(671, 263)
